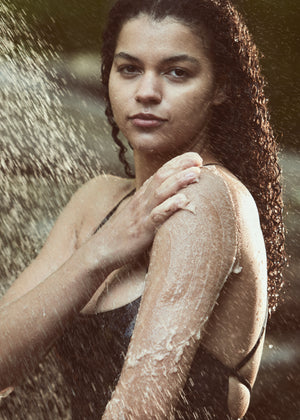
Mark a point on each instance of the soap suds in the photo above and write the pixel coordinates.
(237, 269)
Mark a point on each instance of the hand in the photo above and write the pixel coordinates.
(131, 231)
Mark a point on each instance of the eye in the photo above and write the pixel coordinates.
(128, 70)
(178, 74)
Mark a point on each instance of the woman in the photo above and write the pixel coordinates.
(181, 79)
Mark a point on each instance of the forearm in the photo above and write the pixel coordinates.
(152, 395)
(29, 325)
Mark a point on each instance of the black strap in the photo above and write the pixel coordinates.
(213, 164)
(254, 348)
(108, 216)
(235, 371)
(241, 379)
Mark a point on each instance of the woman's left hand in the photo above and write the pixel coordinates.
(131, 231)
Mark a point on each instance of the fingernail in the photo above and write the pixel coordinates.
(193, 175)
(190, 176)
(190, 207)
(182, 199)
(197, 179)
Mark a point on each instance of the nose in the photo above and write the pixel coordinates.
(149, 89)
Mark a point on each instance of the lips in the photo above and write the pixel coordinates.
(143, 120)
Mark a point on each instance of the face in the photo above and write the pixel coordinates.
(161, 86)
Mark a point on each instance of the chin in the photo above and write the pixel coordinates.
(153, 144)
(155, 149)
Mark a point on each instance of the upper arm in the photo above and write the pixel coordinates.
(192, 255)
(59, 246)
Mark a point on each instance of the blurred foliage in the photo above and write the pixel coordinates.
(70, 25)
(76, 25)
(275, 28)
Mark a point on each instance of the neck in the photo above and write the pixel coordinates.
(145, 166)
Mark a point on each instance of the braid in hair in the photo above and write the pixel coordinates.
(122, 148)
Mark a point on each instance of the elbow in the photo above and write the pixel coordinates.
(238, 399)
(11, 373)
(6, 386)
(7, 380)
(5, 392)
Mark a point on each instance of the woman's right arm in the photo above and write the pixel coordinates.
(62, 279)
(56, 285)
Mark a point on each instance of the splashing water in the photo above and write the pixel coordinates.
(38, 137)
(51, 140)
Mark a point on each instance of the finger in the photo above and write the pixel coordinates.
(163, 211)
(192, 157)
(176, 182)
(179, 163)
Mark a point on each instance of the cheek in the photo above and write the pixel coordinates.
(194, 107)
(196, 98)
(192, 115)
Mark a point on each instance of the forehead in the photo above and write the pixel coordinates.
(143, 35)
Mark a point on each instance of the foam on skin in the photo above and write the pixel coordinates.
(193, 254)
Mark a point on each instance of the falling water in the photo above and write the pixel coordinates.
(51, 141)
(50, 137)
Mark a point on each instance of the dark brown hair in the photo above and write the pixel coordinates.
(240, 132)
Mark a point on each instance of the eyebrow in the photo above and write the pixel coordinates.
(168, 60)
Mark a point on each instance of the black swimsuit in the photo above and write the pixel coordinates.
(92, 352)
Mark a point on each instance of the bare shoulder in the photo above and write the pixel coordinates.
(212, 200)
(217, 182)
(244, 203)
(95, 199)
(222, 213)
(99, 184)
(99, 191)
(209, 223)
(224, 191)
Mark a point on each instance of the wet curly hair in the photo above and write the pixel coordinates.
(240, 132)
